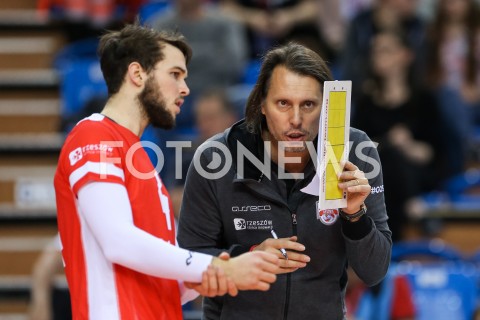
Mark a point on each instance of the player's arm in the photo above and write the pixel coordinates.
(108, 214)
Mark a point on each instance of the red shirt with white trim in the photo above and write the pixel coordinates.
(100, 150)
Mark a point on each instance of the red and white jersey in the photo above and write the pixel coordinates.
(100, 150)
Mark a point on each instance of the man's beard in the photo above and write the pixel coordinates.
(154, 106)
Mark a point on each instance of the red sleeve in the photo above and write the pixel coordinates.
(92, 152)
(402, 303)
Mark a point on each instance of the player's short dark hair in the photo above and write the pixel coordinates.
(117, 49)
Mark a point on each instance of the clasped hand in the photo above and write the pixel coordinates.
(295, 259)
(249, 271)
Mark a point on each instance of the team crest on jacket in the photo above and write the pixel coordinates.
(327, 216)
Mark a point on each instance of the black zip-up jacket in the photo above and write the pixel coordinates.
(233, 212)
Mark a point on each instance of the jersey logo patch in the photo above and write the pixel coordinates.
(327, 216)
(75, 156)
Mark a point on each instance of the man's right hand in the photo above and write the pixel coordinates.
(251, 270)
(295, 259)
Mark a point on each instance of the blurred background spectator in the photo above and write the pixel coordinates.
(221, 55)
(219, 44)
(400, 15)
(453, 71)
(404, 119)
(214, 113)
(87, 18)
(274, 22)
(47, 301)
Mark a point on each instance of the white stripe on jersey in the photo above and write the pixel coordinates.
(164, 202)
(101, 168)
(103, 302)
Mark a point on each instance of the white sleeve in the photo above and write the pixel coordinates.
(107, 212)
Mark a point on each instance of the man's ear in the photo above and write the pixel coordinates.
(136, 74)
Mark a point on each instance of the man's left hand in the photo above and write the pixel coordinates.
(356, 186)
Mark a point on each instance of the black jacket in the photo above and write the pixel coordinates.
(232, 213)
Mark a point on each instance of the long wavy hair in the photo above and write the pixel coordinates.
(296, 58)
(436, 35)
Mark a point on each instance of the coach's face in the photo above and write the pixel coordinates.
(292, 110)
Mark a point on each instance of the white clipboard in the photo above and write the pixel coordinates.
(333, 145)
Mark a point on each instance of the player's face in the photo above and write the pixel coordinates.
(292, 109)
(165, 89)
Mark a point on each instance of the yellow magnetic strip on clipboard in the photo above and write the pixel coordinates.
(332, 171)
(334, 153)
(336, 117)
(338, 100)
(335, 144)
(336, 136)
(332, 191)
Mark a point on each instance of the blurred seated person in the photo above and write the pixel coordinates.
(453, 70)
(401, 15)
(219, 43)
(277, 22)
(213, 114)
(404, 119)
(87, 18)
(333, 20)
(47, 302)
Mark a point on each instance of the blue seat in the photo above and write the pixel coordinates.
(459, 188)
(442, 290)
(150, 9)
(463, 182)
(458, 193)
(377, 306)
(78, 50)
(434, 248)
(443, 281)
(475, 259)
(81, 81)
(476, 133)
(251, 72)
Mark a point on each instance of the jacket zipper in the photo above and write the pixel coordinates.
(294, 224)
(287, 301)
